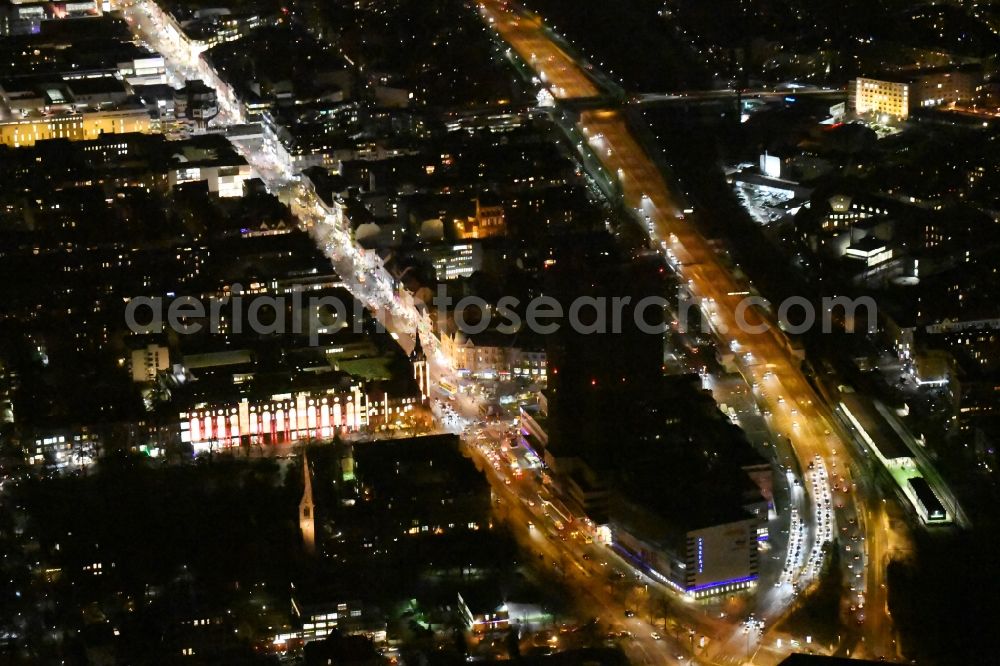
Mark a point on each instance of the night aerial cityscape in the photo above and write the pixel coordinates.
(559, 332)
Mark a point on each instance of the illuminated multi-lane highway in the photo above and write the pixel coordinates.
(763, 358)
(793, 409)
(526, 35)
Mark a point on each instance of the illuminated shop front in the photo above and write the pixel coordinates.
(279, 419)
(289, 417)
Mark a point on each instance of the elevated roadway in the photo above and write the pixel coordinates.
(793, 410)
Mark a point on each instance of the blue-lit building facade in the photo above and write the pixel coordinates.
(698, 561)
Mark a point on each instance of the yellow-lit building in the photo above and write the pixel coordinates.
(73, 126)
(879, 96)
(488, 221)
(913, 89)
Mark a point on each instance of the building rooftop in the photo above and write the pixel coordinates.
(96, 85)
(396, 467)
(799, 659)
(693, 499)
(422, 479)
(867, 245)
(886, 440)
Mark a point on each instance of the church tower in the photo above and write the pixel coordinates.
(307, 510)
(420, 370)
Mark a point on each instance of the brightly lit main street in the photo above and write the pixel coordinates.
(361, 272)
(605, 587)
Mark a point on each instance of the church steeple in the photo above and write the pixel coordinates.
(418, 349)
(307, 510)
(420, 370)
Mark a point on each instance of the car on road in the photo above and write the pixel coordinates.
(629, 612)
(656, 636)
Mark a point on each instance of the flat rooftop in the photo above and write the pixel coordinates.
(881, 435)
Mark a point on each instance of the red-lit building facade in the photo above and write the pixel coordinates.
(289, 417)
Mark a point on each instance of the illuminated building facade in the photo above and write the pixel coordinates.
(454, 261)
(490, 355)
(481, 618)
(226, 180)
(869, 250)
(934, 87)
(280, 419)
(146, 362)
(289, 417)
(716, 559)
(316, 619)
(73, 126)
(25, 17)
(68, 449)
(487, 222)
(917, 88)
(880, 96)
